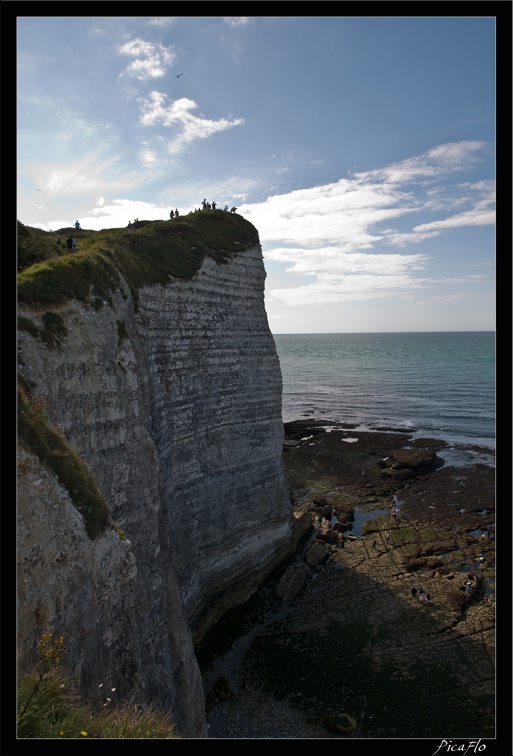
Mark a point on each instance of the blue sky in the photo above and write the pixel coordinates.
(362, 149)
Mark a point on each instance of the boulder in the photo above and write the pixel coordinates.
(345, 516)
(292, 581)
(328, 536)
(404, 464)
(222, 689)
(340, 724)
(316, 554)
(327, 513)
(342, 527)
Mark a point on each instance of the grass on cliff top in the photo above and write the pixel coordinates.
(52, 449)
(154, 253)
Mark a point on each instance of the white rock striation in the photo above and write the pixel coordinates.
(176, 407)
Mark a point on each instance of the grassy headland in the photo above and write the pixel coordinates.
(154, 253)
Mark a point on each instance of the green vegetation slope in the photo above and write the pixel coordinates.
(154, 253)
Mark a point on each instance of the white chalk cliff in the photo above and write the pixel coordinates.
(176, 407)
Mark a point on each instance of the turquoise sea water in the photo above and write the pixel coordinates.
(437, 385)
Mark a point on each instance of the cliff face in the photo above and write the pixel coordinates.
(176, 407)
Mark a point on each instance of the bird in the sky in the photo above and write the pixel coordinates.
(177, 77)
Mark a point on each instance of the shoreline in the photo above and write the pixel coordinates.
(294, 667)
(485, 446)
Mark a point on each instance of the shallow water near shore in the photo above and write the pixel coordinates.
(439, 385)
(360, 518)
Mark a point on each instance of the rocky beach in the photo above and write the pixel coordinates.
(382, 624)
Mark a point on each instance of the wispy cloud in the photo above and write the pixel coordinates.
(151, 59)
(178, 113)
(80, 177)
(161, 21)
(335, 233)
(453, 156)
(470, 218)
(377, 277)
(481, 197)
(348, 213)
(347, 276)
(237, 20)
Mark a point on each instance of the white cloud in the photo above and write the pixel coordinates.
(148, 157)
(151, 58)
(341, 213)
(481, 198)
(334, 235)
(331, 261)
(455, 154)
(469, 218)
(116, 214)
(161, 21)
(441, 299)
(347, 288)
(237, 20)
(80, 177)
(178, 112)
(347, 213)
(380, 279)
(428, 166)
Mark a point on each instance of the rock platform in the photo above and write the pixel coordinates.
(339, 633)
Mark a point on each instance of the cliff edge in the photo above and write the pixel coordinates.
(151, 355)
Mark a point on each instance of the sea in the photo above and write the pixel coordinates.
(432, 385)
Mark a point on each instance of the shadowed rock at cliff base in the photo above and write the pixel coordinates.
(292, 581)
(316, 554)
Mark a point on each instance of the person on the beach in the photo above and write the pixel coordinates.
(428, 598)
(413, 592)
(421, 594)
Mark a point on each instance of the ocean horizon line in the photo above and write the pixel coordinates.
(370, 333)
